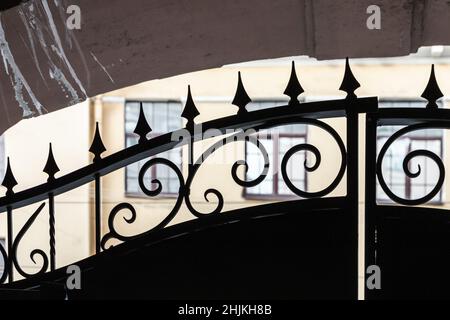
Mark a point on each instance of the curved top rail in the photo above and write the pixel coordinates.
(148, 148)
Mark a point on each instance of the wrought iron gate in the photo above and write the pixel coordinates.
(313, 245)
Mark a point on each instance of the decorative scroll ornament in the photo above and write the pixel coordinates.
(218, 195)
(33, 253)
(184, 188)
(416, 153)
(114, 233)
(431, 93)
(315, 166)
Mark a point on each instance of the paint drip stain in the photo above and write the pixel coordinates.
(38, 29)
(58, 46)
(18, 80)
(103, 67)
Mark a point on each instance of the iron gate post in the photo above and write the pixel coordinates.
(352, 183)
(10, 244)
(370, 197)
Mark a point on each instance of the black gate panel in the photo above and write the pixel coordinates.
(413, 253)
(293, 250)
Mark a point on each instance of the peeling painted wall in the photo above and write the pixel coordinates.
(46, 66)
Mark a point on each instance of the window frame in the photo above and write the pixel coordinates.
(408, 184)
(151, 135)
(275, 160)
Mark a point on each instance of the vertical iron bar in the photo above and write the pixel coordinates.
(51, 205)
(370, 197)
(352, 185)
(10, 244)
(276, 161)
(97, 213)
(191, 155)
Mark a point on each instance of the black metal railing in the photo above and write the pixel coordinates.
(293, 112)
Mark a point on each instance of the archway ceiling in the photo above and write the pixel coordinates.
(46, 66)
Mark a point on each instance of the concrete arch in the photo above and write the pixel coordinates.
(47, 66)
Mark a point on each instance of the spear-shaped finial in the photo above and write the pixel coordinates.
(293, 88)
(97, 146)
(9, 181)
(142, 126)
(432, 91)
(241, 98)
(190, 110)
(51, 168)
(349, 83)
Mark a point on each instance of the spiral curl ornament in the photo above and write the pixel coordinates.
(217, 194)
(217, 209)
(318, 158)
(413, 154)
(262, 175)
(34, 253)
(113, 233)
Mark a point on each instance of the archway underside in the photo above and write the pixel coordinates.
(48, 66)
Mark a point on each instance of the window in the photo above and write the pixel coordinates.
(396, 179)
(277, 142)
(163, 117)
